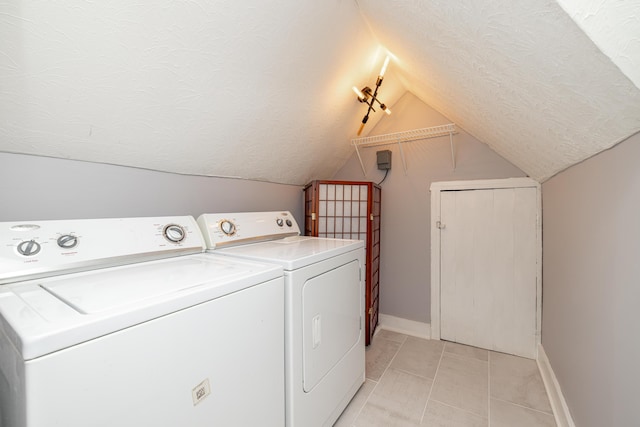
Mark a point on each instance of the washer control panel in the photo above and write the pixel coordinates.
(225, 229)
(41, 248)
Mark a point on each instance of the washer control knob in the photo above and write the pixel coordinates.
(68, 241)
(289, 223)
(228, 227)
(29, 248)
(280, 222)
(174, 233)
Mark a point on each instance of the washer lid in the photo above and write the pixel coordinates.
(118, 288)
(294, 252)
(42, 316)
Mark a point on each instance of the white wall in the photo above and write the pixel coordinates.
(591, 296)
(42, 188)
(405, 235)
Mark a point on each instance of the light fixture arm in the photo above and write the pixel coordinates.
(370, 98)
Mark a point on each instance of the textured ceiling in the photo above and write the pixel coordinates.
(614, 26)
(519, 75)
(263, 91)
(249, 89)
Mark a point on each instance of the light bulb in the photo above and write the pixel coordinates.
(360, 94)
(384, 67)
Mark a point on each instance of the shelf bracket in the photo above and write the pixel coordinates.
(404, 161)
(364, 172)
(453, 156)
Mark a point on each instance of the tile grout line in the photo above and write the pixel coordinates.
(524, 406)
(377, 382)
(488, 388)
(386, 369)
(475, 414)
(433, 383)
(365, 401)
(393, 358)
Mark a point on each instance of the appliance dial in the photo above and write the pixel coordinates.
(279, 222)
(289, 223)
(174, 233)
(68, 241)
(228, 227)
(29, 248)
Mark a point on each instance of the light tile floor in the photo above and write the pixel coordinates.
(417, 382)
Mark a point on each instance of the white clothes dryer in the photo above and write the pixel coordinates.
(324, 303)
(126, 322)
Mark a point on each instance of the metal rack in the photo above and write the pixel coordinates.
(406, 136)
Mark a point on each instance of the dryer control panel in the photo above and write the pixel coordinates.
(227, 229)
(33, 249)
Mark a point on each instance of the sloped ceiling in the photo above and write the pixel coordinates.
(519, 75)
(249, 89)
(262, 91)
(614, 26)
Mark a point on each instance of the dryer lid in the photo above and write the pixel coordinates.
(294, 252)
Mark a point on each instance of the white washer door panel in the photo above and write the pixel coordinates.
(331, 320)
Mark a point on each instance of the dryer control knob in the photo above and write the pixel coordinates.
(228, 227)
(29, 248)
(68, 241)
(289, 223)
(280, 222)
(174, 233)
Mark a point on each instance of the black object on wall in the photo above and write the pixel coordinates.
(384, 159)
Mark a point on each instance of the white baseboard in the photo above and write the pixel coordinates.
(404, 326)
(556, 398)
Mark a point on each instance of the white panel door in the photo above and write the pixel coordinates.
(488, 269)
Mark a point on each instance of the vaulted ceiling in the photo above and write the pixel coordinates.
(262, 90)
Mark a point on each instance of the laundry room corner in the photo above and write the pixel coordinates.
(406, 210)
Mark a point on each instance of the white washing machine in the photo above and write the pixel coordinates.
(324, 307)
(126, 322)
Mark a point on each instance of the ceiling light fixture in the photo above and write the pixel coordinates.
(368, 97)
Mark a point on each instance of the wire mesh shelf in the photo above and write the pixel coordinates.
(406, 136)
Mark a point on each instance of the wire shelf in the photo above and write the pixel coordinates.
(406, 136)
